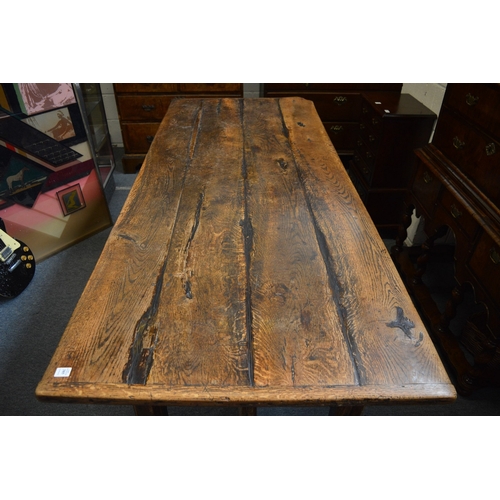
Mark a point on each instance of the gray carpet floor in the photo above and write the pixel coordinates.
(33, 323)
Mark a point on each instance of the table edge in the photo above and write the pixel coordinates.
(259, 396)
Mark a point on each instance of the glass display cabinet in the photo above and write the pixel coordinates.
(91, 101)
(56, 164)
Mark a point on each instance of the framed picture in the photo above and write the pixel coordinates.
(21, 180)
(71, 199)
(39, 97)
(56, 124)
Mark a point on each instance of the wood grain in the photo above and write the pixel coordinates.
(245, 270)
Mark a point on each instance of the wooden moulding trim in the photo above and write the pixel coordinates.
(485, 212)
(265, 396)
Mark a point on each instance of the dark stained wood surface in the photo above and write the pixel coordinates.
(244, 269)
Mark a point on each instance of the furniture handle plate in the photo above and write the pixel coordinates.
(148, 107)
(149, 138)
(340, 100)
(427, 177)
(494, 256)
(490, 149)
(455, 212)
(458, 143)
(336, 128)
(471, 100)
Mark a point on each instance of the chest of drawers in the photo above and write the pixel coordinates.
(338, 105)
(457, 187)
(142, 106)
(390, 128)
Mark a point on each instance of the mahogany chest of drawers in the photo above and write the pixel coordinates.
(457, 188)
(391, 126)
(142, 106)
(337, 104)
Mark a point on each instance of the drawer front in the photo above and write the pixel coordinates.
(207, 88)
(365, 170)
(426, 188)
(478, 102)
(371, 135)
(342, 134)
(337, 106)
(137, 137)
(459, 214)
(331, 106)
(370, 126)
(366, 152)
(475, 153)
(325, 87)
(485, 264)
(143, 108)
(146, 87)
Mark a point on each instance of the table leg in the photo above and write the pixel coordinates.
(248, 410)
(345, 410)
(141, 410)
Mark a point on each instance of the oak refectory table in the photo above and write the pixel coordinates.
(244, 270)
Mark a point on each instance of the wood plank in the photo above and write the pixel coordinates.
(296, 335)
(122, 287)
(202, 312)
(367, 286)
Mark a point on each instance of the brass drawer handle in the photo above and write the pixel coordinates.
(490, 149)
(366, 171)
(369, 155)
(455, 212)
(371, 138)
(365, 110)
(362, 126)
(427, 178)
(148, 107)
(150, 138)
(494, 256)
(340, 100)
(336, 128)
(359, 142)
(374, 121)
(471, 100)
(458, 143)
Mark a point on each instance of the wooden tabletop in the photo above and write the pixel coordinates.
(244, 269)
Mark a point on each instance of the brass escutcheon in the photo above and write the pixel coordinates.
(471, 100)
(494, 256)
(458, 143)
(490, 149)
(455, 212)
(340, 100)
